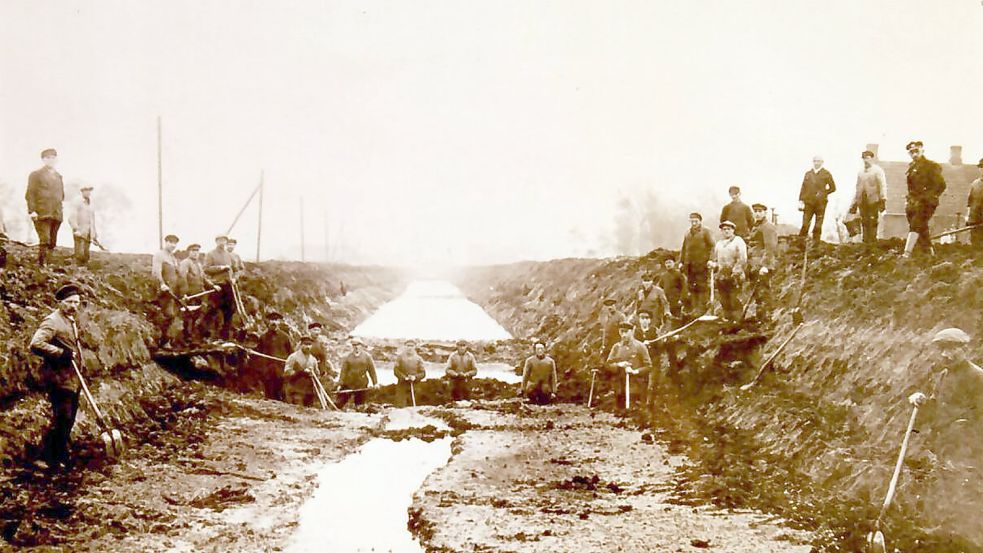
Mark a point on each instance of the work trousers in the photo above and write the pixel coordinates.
(358, 397)
(639, 388)
(56, 441)
(300, 391)
(810, 211)
(697, 275)
(729, 288)
(402, 396)
(460, 389)
(223, 307)
(919, 213)
(82, 246)
(47, 230)
(538, 395)
(868, 222)
(762, 296)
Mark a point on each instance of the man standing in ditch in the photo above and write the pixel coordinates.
(299, 372)
(628, 357)
(871, 197)
(45, 195)
(974, 209)
(673, 283)
(82, 219)
(56, 342)
(238, 267)
(218, 267)
(356, 371)
(925, 185)
(193, 280)
(646, 333)
(817, 185)
(729, 260)
(164, 268)
(461, 368)
(409, 369)
(321, 350)
(275, 342)
(693, 257)
(539, 376)
(762, 260)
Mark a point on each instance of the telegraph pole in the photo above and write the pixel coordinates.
(302, 229)
(160, 190)
(259, 224)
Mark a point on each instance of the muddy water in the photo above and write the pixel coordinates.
(496, 371)
(361, 502)
(432, 310)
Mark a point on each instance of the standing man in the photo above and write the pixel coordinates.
(82, 219)
(628, 357)
(693, 256)
(461, 368)
(238, 267)
(218, 267)
(817, 185)
(729, 260)
(164, 268)
(45, 194)
(356, 371)
(275, 342)
(322, 353)
(870, 198)
(651, 298)
(974, 209)
(409, 369)
(193, 281)
(925, 185)
(539, 376)
(737, 212)
(55, 341)
(610, 319)
(300, 368)
(673, 283)
(646, 333)
(762, 260)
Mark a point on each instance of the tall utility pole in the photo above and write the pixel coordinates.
(259, 224)
(327, 242)
(160, 190)
(302, 258)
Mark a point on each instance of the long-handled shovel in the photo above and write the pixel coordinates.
(700, 319)
(412, 393)
(712, 291)
(590, 395)
(771, 358)
(627, 389)
(317, 391)
(112, 439)
(199, 295)
(875, 539)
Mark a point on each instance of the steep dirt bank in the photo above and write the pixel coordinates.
(817, 440)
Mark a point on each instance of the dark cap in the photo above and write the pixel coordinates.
(221, 237)
(868, 153)
(274, 316)
(625, 324)
(314, 325)
(462, 342)
(194, 247)
(913, 144)
(50, 152)
(232, 241)
(759, 207)
(734, 189)
(695, 215)
(172, 238)
(610, 301)
(645, 312)
(306, 339)
(728, 224)
(67, 291)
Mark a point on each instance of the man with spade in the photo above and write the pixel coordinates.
(409, 369)
(55, 342)
(629, 358)
(218, 266)
(356, 371)
(539, 376)
(300, 368)
(164, 268)
(728, 260)
(762, 259)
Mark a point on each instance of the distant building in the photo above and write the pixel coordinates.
(952, 204)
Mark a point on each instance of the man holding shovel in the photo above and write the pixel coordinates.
(539, 376)
(82, 219)
(322, 349)
(409, 369)
(693, 257)
(461, 368)
(762, 259)
(356, 371)
(628, 362)
(164, 268)
(218, 267)
(728, 260)
(193, 281)
(298, 372)
(55, 342)
(275, 342)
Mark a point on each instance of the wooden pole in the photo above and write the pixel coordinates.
(160, 189)
(302, 257)
(259, 224)
(244, 206)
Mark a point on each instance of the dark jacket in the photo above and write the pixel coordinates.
(673, 283)
(276, 343)
(740, 214)
(697, 247)
(925, 182)
(461, 366)
(763, 246)
(974, 203)
(213, 261)
(356, 371)
(635, 353)
(45, 194)
(655, 302)
(54, 341)
(539, 373)
(409, 363)
(321, 353)
(816, 186)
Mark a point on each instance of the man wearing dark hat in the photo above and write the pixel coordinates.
(238, 267)
(628, 357)
(610, 319)
(762, 261)
(729, 260)
(461, 368)
(974, 209)
(56, 342)
(539, 376)
(218, 267)
(298, 372)
(673, 283)
(164, 268)
(357, 369)
(738, 213)
(275, 342)
(409, 369)
(82, 219)
(925, 185)
(192, 280)
(322, 351)
(693, 257)
(870, 198)
(817, 185)
(45, 194)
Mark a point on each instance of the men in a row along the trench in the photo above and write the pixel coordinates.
(357, 371)
(461, 368)
(409, 370)
(299, 373)
(539, 382)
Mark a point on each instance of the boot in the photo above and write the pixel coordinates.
(42, 254)
(909, 244)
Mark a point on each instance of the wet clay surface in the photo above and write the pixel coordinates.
(537, 479)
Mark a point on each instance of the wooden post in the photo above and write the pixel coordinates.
(302, 229)
(160, 189)
(259, 223)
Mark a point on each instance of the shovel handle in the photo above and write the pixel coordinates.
(412, 393)
(627, 390)
(892, 488)
(590, 395)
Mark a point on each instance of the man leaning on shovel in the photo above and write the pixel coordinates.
(409, 369)
(55, 342)
(629, 361)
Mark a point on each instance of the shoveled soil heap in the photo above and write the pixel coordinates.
(817, 439)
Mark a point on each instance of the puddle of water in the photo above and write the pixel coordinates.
(497, 371)
(360, 504)
(432, 310)
(409, 417)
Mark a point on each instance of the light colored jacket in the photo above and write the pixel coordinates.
(730, 255)
(82, 219)
(871, 186)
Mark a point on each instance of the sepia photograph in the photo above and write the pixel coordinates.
(537, 276)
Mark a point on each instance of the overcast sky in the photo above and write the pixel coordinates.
(467, 132)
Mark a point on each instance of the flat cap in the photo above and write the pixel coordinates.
(728, 224)
(695, 215)
(648, 275)
(734, 189)
(67, 291)
(274, 316)
(171, 238)
(194, 247)
(221, 237)
(314, 325)
(610, 301)
(950, 336)
(759, 207)
(645, 312)
(50, 152)
(625, 325)
(85, 187)
(357, 341)
(232, 241)
(867, 153)
(306, 339)
(462, 342)
(913, 144)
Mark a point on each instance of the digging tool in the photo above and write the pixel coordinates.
(700, 319)
(875, 539)
(317, 391)
(412, 393)
(713, 272)
(750, 298)
(590, 395)
(199, 295)
(112, 439)
(764, 366)
(956, 231)
(627, 389)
